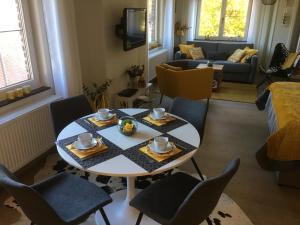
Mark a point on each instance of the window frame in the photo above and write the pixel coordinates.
(158, 26)
(27, 33)
(220, 36)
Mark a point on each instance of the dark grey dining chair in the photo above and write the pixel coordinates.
(182, 199)
(195, 113)
(67, 110)
(63, 199)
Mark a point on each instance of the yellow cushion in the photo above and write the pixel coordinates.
(289, 61)
(185, 49)
(197, 53)
(167, 66)
(249, 52)
(237, 55)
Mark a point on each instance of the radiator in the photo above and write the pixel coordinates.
(25, 138)
(155, 58)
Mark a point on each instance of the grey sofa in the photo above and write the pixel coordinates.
(218, 52)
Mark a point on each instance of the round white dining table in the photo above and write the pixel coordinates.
(119, 212)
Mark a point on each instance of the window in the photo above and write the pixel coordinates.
(223, 19)
(154, 23)
(15, 56)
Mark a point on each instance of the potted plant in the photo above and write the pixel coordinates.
(134, 72)
(96, 94)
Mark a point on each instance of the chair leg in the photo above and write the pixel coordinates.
(197, 168)
(161, 98)
(139, 219)
(208, 221)
(104, 216)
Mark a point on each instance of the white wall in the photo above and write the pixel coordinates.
(101, 51)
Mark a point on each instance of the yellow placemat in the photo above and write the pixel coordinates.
(87, 153)
(102, 123)
(159, 157)
(159, 122)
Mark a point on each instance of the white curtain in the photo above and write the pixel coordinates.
(168, 30)
(192, 19)
(260, 30)
(63, 45)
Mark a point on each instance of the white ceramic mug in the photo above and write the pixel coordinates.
(159, 112)
(85, 139)
(102, 114)
(160, 143)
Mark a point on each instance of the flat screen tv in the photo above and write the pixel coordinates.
(135, 27)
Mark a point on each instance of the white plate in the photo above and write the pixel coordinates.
(170, 147)
(161, 118)
(79, 146)
(110, 115)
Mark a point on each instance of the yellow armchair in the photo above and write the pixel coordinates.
(192, 84)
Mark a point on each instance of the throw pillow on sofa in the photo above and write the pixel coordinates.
(185, 49)
(237, 56)
(248, 54)
(197, 53)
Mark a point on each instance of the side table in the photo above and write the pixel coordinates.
(127, 102)
(218, 75)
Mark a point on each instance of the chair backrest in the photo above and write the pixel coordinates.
(193, 111)
(202, 200)
(67, 110)
(31, 202)
(192, 84)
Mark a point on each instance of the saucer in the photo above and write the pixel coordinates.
(169, 148)
(155, 118)
(109, 116)
(80, 146)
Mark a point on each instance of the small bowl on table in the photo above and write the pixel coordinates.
(127, 125)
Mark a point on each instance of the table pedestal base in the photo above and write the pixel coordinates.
(120, 213)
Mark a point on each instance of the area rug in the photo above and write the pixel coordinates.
(236, 92)
(227, 211)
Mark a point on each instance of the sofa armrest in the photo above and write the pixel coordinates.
(179, 55)
(254, 62)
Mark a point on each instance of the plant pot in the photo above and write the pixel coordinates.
(133, 82)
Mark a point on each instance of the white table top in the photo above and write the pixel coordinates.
(121, 165)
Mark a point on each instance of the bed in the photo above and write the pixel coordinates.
(281, 153)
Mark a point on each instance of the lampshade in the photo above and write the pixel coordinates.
(268, 2)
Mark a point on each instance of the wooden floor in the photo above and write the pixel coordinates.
(238, 130)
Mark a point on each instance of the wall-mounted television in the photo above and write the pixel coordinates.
(133, 28)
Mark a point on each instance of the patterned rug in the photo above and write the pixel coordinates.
(227, 211)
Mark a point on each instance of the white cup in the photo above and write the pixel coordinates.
(85, 139)
(160, 143)
(102, 114)
(159, 112)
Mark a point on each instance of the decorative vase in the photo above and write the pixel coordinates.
(100, 102)
(141, 82)
(127, 125)
(133, 83)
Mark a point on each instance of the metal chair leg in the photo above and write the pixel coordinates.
(161, 98)
(104, 216)
(139, 219)
(208, 221)
(197, 168)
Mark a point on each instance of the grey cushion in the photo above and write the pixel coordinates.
(72, 197)
(217, 55)
(234, 67)
(231, 47)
